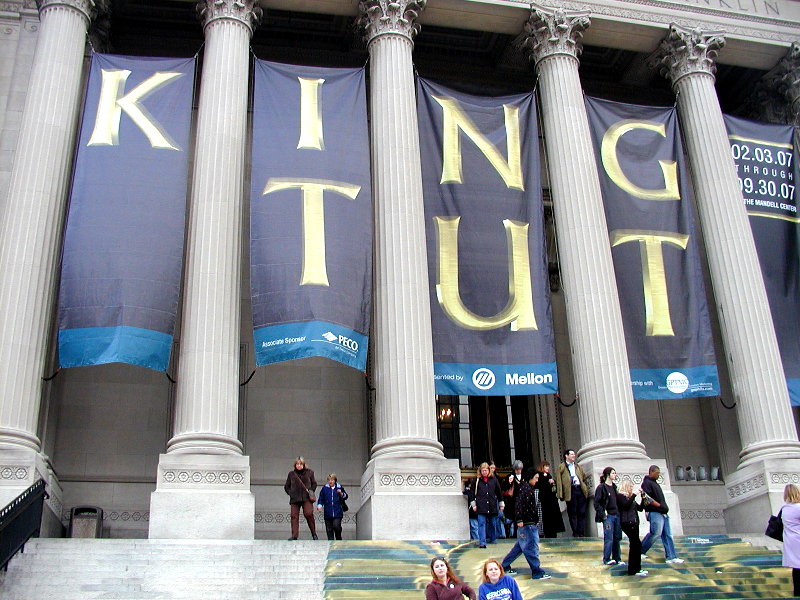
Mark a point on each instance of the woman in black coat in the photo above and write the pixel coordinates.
(487, 503)
(552, 523)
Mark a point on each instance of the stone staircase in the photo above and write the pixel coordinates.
(79, 569)
(716, 567)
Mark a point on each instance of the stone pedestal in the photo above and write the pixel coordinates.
(202, 497)
(20, 468)
(755, 491)
(412, 499)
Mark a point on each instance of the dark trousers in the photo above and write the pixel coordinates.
(796, 581)
(635, 550)
(333, 527)
(576, 509)
(308, 513)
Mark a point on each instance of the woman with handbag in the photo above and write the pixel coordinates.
(790, 514)
(332, 500)
(300, 485)
(607, 513)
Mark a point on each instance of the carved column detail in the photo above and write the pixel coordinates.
(554, 31)
(405, 410)
(246, 13)
(602, 376)
(30, 232)
(780, 87)
(765, 419)
(396, 17)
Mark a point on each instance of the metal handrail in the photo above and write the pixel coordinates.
(20, 521)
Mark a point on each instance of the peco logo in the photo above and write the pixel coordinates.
(483, 378)
(677, 382)
(342, 340)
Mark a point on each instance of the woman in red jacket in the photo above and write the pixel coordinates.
(445, 584)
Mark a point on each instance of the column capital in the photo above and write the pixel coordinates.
(553, 31)
(380, 17)
(687, 52)
(782, 82)
(246, 12)
(87, 8)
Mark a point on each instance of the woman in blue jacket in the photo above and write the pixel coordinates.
(330, 499)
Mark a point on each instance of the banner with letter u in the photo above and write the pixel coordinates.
(123, 245)
(490, 293)
(766, 162)
(657, 262)
(310, 215)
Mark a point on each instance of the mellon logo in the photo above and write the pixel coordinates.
(483, 378)
(528, 378)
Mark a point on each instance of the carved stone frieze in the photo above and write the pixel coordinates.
(380, 17)
(747, 487)
(246, 12)
(700, 513)
(14, 472)
(549, 32)
(267, 518)
(687, 51)
(206, 477)
(777, 478)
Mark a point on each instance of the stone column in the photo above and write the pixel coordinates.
(602, 376)
(766, 423)
(408, 473)
(30, 235)
(203, 488)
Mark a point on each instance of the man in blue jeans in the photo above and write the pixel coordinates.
(657, 509)
(526, 517)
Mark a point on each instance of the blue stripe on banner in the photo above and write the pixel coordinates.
(289, 341)
(102, 345)
(683, 382)
(794, 391)
(495, 380)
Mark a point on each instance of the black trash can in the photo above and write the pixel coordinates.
(86, 522)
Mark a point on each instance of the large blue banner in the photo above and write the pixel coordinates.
(657, 262)
(310, 215)
(490, 293)
(766, 161)
(123, 246)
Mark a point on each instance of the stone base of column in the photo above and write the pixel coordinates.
(412, 499)
(755, 491)
(634, 470)
(20, 468)
(202, 496)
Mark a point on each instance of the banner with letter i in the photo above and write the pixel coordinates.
(310, 215)
(766, 162)
(123, 245)
(490, 292)
(657, 262)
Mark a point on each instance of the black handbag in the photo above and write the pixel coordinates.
(775, 527)
(344, 506)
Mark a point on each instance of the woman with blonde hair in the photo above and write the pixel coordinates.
(790, 514)
(446, 585)
(629, 521)
(496, 584)
(487, 503)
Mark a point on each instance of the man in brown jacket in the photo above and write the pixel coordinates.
(571, 488)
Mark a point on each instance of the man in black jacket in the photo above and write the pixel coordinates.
(526, 517)
(657, 510)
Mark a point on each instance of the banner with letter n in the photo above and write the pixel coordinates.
(766, 162)
(648, 205)
(490, 292)
(310, 215)
(123, 245)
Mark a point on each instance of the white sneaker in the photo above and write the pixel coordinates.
(621, 563)
(611, 562)
(642, 574)
(675, 561)
(644, 556)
